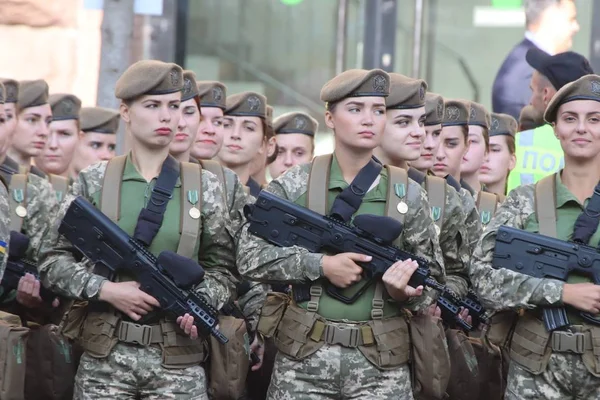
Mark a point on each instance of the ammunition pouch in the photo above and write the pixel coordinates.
(271, 313)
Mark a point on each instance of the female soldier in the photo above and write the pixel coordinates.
(501, 158)
(451, 150)
(262, 160)
(245, 130)
(169, 366)
(181, 146)
(33, 123)
(295, 135)
(56, 156)
(356, 112)
(11, 97)
(4, 208)
(479, 125)
(97, 138)
(210, 134)
(401, 144)
(561, 364)
(434, 114)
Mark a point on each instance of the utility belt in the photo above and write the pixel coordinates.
(532, 345)
(101, 331)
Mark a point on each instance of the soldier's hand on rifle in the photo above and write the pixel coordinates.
(186, 323)
(396, 280)
(342, 269)
(128, 298)
(464, 315)
(584, 296)
(433, 310)
(28, 292)
(258, 348)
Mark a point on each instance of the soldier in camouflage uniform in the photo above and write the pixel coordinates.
(401, 144)
(542, 367)
(313, 366)
(113, 366)
(33, 204)
(479, 141)
(4, 207)
(451, 150)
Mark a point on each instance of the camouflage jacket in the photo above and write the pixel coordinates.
(61, 273)
(500, 288)
(472, 221)
(4, 228)
(264, 262)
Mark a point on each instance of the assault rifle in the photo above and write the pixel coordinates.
(169, 278)
(546, 257)
(286, 224)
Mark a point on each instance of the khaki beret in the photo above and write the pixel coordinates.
(456, 112)
(11, 88)
(296, 122)
(212, 94)
(100, 120)
(149, 77)
(247, 104)
(64, 106)
(190, 87)
(2, 93)
(479, 116)
(356, 83)
(434, 109)
(503, 124)
(584, 88)
(32, 93)
(406, 92)
(530, 118)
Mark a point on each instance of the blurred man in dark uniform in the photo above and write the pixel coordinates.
(550, 26)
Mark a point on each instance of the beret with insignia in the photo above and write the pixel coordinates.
(149, 77)
(406, 92)
(190, 87)
(212, 94)
(64, 106)
(247, 104)
(11, 87)
(32, 93)
(356, 83)
(530, 118)
(456, 113)
(503, 124)
(584, 88)
(99, 120)
(296, 122)
(2, 93)
(479, 116)
(434, 109)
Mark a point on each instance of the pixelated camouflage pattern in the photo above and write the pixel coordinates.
(565, 377)
(336, 372)
(453, 242)
(264, 262)
(62, 274)
(4, 227)
(503, 289)
(140, 375)
(472, 222)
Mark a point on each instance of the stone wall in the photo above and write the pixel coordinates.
(56, 40)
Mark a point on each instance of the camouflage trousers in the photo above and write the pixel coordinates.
(565, 377)
(336, 372)
(132, 372)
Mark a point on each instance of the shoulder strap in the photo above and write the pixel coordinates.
(396, 176)
(110, 199)
(501, 197)
(17, 198)
(191, 206)
(318, 182)
(545, 205)
(23, 169)
(436, 193)
(60, 184)
(486, 205)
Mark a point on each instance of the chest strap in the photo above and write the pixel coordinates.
(110, 198)
(397, 188)
(486, 205)
(17, 198)
(545, 205)
(60, 184)
(191, 206)
(436, 193)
